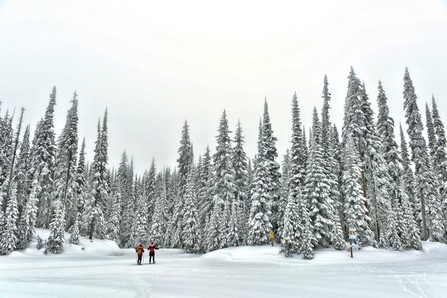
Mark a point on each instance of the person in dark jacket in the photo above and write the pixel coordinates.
(152, 248)
(139, 250)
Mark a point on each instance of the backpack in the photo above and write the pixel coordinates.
(139, 251)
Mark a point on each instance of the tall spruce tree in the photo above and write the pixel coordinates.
(43, 155)
(398, 224)
(259, 223)
(22, 172)
(292, 232)
(336, 170)
(79, 191)
(99, 184)
(355, 210)
(331, 166)
(159, 219)
(176, 222)
(292, 236)
(190, 224)
(224, 178)
(149, 190)
(316, 189)
(241, 180)
(186, 156)
(139, 233)
(409, 183)
(8, 237)
(6, 150)
(269, 155)
(55, 243)
(284, 193)
(432, 219)
(65, 161)
(440, 156)
(430, 132)
(205, 192)
(125, 196)
(114, 213)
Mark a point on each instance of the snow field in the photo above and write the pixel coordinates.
(102, 269)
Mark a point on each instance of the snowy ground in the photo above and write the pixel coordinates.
(104, 270)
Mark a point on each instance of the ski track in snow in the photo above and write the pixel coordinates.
(143, 287)
(419, 286)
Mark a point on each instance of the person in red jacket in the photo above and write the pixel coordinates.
(139, 250)
(152, 248)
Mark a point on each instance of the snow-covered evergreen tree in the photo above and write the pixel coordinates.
(8, 238)
(359, 125)
(114, 214)
(190, 224)
(308, 239)
(316, 189)
(176, 223)
(284, 193)
(74, 237)
(212, 240)
(28, 217)
(241, 180)
(392, 238)
(205, 185)
(259, 224)
(235, 235)
(149, 190)
(22, 172)
(43, 155)
(6, 150)
(124, 195)
(440, 155)
(291, 234)
(353, 122)
(338, 239)
(329, 144)
(430, 132)
(269, 155)
(186, 156)
(354, 201)
(400, 226)
(374, 170)
(410, 231)
(432, 219)
(65, 161)
(172, 198)
(224, 175)
(158, 224)
(99, 185)
(139, 233)
(55, 243)
(77, 205)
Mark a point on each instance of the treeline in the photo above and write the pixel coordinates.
(390, 195)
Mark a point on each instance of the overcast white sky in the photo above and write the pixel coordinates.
(154, 64)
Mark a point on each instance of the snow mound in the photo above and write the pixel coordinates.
(267, 253)
(435, 249)
(245, 253)
(86, 247)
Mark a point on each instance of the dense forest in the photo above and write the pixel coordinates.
(391, 195)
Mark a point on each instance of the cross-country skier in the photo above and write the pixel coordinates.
(272, 237)
(152, 248)
(139, 250)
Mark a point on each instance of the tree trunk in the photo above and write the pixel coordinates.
(424, 215)
(92, 227)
